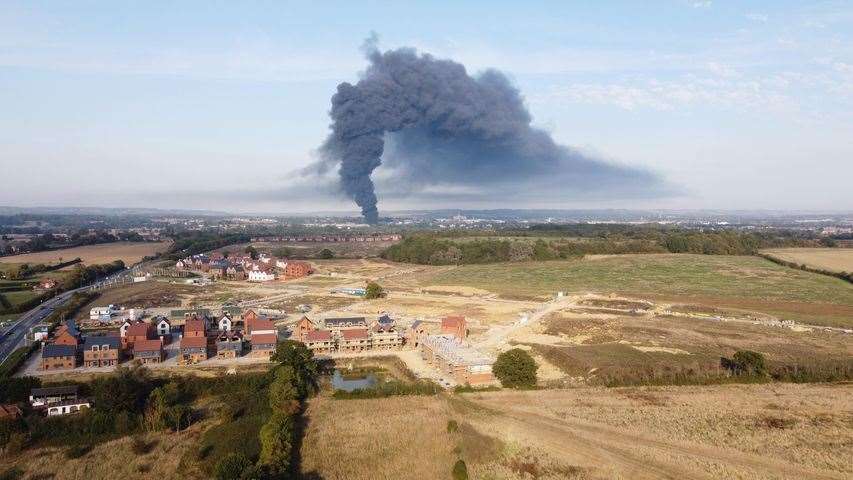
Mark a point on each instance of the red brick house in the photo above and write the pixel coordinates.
(138, 332)
(149, 351)
(296, 269)
(195, 327)
(319, 341)
(304, 327)
(456, 326)
(355, 340)
(193, 350)
(263, 344)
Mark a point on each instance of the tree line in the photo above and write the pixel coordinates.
(435, 249)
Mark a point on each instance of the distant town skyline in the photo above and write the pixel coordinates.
(185, 106)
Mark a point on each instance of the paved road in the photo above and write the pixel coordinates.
(13, 337)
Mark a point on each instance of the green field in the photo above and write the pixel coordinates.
(745, 282)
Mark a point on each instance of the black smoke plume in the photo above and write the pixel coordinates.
(442, 126)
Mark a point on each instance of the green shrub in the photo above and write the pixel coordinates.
(231, 466)
(452, 426)
(460, 470)
(747, 362)
(374, 290)
(515, 369)
(389, 389)
(277, 443)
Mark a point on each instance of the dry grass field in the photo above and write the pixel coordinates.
(832, 259)
(737, 282)
(128, 252)
(747, 432)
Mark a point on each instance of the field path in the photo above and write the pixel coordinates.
(626, 455)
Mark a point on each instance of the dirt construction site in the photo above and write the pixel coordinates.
(576, 337)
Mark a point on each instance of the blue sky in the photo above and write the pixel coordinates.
(741, 105)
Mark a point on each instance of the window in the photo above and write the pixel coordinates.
(105, 347)
(94, 348)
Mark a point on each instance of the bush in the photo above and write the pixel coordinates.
(452, 426)
(389, 389)
(460, 470)
(747, 362)
(515, 369)
(326, 254)
(374, 290)
(231, 466)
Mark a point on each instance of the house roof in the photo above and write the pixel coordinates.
(385, 319)
(10, 410)
(160, 320)
(416, 324)
(261, 324)
(354, 334)
(71, 328)
(147, 346)
(452, 321)
(195, 325)
(138, 329)
(48, 391)
(101, 340)
(345, 321)
(264, 339)
(52, 350)
(193, 342)
(318, 336)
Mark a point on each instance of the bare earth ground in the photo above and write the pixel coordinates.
(748, 432)
(128, 252)
(833, 259)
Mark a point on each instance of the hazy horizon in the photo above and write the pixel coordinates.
(732, 107)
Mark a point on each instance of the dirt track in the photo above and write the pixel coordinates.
(616, 453)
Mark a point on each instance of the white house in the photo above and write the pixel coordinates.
(281, 264)
(163, 327)
(68, 406)
(225, 323)
(122, 330)
(259, 276)
(98, 312)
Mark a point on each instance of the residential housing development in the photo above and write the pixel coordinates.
(240, 266)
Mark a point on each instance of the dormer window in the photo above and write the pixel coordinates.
(95, 348)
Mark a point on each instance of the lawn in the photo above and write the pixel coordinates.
(745, 282)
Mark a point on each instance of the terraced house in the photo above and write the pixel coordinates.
(58, 357)
(101, 351)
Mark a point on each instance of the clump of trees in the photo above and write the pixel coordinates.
(326, 254)
(515, 368)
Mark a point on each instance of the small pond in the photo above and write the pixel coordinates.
(349, 383)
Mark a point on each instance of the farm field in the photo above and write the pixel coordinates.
(128, 252)
(741, 282)
(832, 259)
(739, 431)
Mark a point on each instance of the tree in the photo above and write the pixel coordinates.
(297, 356)
(515, 369)
(284, 390)
(277, 443)
(326, 254)
(252, 252)
(374, 290)
(231, 466)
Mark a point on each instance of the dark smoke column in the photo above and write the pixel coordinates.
(446, 127)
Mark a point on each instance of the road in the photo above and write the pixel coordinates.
(13, 337)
